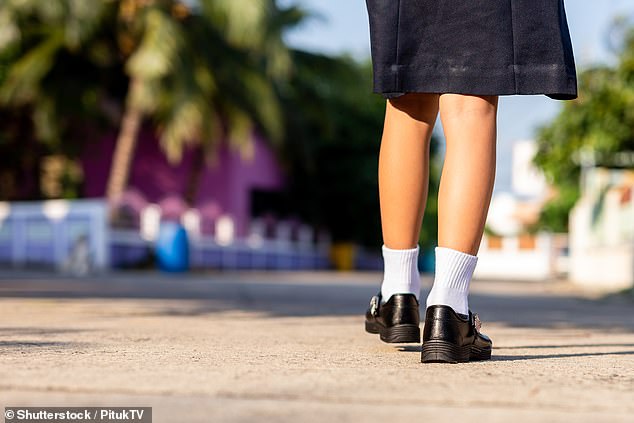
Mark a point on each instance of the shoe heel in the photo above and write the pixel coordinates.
(479, 354)
(401, 334)
(436, 351)
(371, 328)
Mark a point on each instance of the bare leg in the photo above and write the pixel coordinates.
(404, 167)
(466, 185)
(468, 173)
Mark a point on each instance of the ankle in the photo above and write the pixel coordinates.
(454, 270)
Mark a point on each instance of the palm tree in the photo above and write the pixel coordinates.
(200, 73)
(39, 85)
(37, 34)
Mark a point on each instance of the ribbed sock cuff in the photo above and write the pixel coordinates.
(454, 270)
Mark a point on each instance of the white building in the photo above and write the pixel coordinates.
(511, 253)
(602, 231)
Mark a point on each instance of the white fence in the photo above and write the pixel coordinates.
(74, 236)
(602, 231)
(537, 257)
(55, 233)
(129, 249)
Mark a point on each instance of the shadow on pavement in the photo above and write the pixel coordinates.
(290, 297)
(501, 357)
(37, 331)
(525, 347)
(37, 344)
(496, 357)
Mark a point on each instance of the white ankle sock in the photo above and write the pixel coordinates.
(454, 270)
(400, 273)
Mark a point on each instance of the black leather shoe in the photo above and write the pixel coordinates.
(397, 321)
(449, 337)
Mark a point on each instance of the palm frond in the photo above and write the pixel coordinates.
(242, 21)
(157, 55)
(26, 74)
(9, 31)
(158, 50)
(184, 124)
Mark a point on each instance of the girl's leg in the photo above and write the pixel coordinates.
(469, 170)
(465, 192)
(403, 185)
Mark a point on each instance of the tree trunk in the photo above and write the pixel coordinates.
(195, 176)
(124, 149)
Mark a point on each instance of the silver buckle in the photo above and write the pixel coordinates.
(476, 322)
(374, 305)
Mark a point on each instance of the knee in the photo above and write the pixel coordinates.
(420, 106)
(461, 105)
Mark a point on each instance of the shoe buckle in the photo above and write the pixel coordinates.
(477, 323)
(374, 305)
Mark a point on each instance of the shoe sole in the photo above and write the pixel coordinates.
(445, 352)
(398, 334)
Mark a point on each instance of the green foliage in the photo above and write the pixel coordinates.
(334, 126)
(199, 73)
(589, 131)
(185, 64)
(36, 37)
(554, 215)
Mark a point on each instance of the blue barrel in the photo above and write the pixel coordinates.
(427, 261)
(172, 248)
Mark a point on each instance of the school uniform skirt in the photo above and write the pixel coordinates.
(478, 47)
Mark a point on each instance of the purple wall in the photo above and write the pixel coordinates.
(224, 188)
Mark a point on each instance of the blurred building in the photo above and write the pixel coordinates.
(602, 230)
(225, 186)
(507, 251)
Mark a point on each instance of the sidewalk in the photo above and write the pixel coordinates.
(290, 347)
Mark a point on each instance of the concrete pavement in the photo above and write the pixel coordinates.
(291, 347)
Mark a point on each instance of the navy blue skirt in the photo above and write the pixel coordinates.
(478, 47)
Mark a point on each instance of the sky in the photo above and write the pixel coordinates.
(341, 26)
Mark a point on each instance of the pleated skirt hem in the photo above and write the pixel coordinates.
(394, 81)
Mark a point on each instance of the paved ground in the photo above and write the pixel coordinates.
(290, 347)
